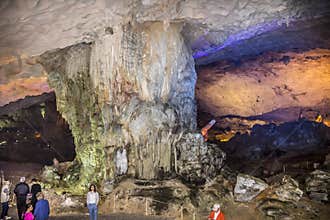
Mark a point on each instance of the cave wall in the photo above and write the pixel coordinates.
(276, 85)
(131, 89)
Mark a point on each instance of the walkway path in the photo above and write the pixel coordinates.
(112, 217)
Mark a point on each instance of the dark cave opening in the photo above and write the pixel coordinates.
(33, 131)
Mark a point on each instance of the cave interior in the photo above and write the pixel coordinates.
(133, 101)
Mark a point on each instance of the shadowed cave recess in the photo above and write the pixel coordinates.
(122, 97)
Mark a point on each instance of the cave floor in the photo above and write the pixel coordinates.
(117, 216)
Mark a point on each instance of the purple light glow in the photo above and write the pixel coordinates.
(243, 35)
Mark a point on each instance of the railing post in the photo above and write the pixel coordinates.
(181, 212)
(114, 203)
(194, 215)
(146, 206)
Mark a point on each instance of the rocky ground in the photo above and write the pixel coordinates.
(241, 197)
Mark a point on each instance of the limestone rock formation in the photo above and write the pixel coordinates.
(288, 190)
(132, 89)
(196, 160)
(318, 185)
(248, 187)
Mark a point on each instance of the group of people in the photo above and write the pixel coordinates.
(31, 204)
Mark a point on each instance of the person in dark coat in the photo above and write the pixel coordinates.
(41, 212)
(21, 190)
(35, 188)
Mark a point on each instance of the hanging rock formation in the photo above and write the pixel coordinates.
(132, 89)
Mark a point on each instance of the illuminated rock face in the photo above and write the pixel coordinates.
(271, 82)
(20, 76)
(133, 89)
(213, 29)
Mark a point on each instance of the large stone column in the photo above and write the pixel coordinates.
(131, 89)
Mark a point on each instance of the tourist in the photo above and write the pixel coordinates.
(35, 188)
(92, 202)
(216, 214)
(5, 195)
(28, 214)
(21, 190)
(41, 212)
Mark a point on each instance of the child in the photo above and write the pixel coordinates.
(28, 214)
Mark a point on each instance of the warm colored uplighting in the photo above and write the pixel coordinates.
(319, 119)
(326, 122)
(206, 128)
(224, 137)
(19, 88)
(37, 135)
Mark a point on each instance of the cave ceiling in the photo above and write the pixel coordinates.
(214, 30)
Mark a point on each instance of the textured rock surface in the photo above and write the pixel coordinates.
(270, 148)
(137, 94)
(318, 185)
(284, 198)
(36, 26)
(289, 190)
(197, 160)
(271, 82)
(248, 187)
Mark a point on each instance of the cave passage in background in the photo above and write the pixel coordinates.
(33, 131)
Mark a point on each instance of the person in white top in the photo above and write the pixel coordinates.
(92, 202)
(5, 192)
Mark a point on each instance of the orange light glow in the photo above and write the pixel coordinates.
(206, 128)
(20, 88)
(37, 135)
(319, 119)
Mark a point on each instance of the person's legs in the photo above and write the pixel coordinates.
(90, 211)
(95, 212)
(5, 208)
(4, 211)
(21, 205)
